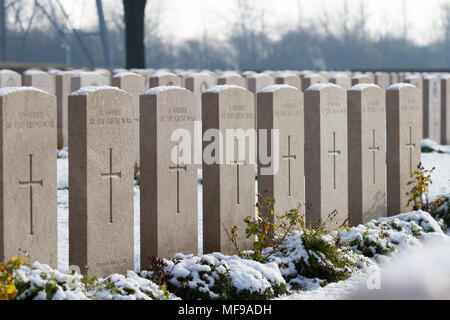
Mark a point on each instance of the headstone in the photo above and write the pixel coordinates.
(87, 79)
(134, 85)
(342, 80)
(146, 73)
(28, 211)
(9, 78)
(382, 80)
(445, 109)
(246, 75)
(393, 77)
(310, 79)
(39, 80)
(199, 83)
(257, 82)
(371, 76)
(163, 78)
(101, 172)
(271, 73)
(366, 153)
(360, 78)
(105, 73)
(415, 80)
(63, 84)
(228, 178)
(432, 108)
(231, 78)
(168, 175)
(280, 107)
(290, 79)
(326, 156)
(404, 137)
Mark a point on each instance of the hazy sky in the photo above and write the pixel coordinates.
(187, 19)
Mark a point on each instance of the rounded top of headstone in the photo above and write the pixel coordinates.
(32, 72)
(430, 77)
(199, 74)
(276, 87)
(10, 90)
(161, 73)
(413, 77)
(221, 88)
(88, 90)
(363, 86)
(360, 76)
(86, 74)
(320, 86)
(7, 71)
(285, 74)
(228, 74)
(127, 74)
(260, 75)
(158, 90)
(68, 72)
(313, 75)
(399, 86)
(446, 76)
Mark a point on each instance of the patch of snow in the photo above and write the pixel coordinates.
(275, 87)
(90, 89)
(157, 90)
(220, 88)
(398, 86)
(7, 90)
(320, 86)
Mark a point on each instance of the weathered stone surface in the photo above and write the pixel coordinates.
(445, 109)
(432, 108)
(164, 78)
(382, 80)
(289, 78)
(199, 83)
(28, 211)
(415, 80)
(169, 217)
(366, 153)
(9, 78)
(360, 78)
(342, 80)
(134, 85)
(87, 79)
(281, 107)
(228, 187)
(232, 78)
(404, 137)
(101, 169)
(39, 80)
(63, 83)
(310, 79)
(326, 156)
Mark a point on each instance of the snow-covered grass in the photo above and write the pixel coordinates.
(301, 262)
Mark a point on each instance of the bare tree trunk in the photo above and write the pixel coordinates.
(134, 12)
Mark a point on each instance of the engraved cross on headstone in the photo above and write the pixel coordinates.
(410, 146)
(374, 149)
(289, 157)
(237, 163)
(111, 175)
(334, 153)
(31, 184)
(178, 168)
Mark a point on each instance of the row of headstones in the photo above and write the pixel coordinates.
(435, 87)
(336, 149)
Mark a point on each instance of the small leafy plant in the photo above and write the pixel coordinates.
(8, 290)
(419, 196)
(268, 229)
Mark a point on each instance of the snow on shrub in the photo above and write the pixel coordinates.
(40, 282)
(216, 276)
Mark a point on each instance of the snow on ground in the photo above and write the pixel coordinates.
(340, 290)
